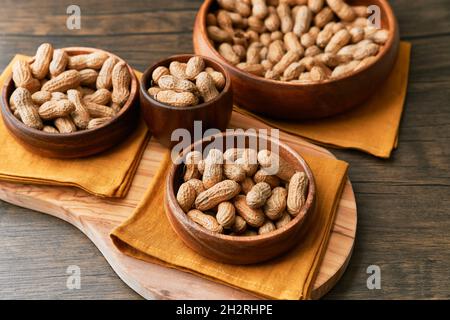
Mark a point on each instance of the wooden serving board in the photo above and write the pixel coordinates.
(96, 217)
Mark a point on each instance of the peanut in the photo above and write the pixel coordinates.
(246, 185)
(206, 221)
(222, 191)
(298, 186)
(290, 57)
(176, 99)
(194, 66)
(56, 96)
(363, 52)
(186, 196)
(80, 115)
(339, 40)
(192, 159)
(259, 9)
(159, 72)
(342, 10)
(217, 34)
(40, 97)
(262, 176)
(93, 60)
(292, 43)
(239, 225)
(50, 129)
(104, 79)
(272, 22)
(224, 21)
(276, 204)
(67, 80)
(55, 109)
(284, 12)
(101, 96)
(267, 227)
(345, 69)
(256, 69)
(253, 217)
(309, 39)
(98, 122)
(258, 195)
(217, 77)
(226, 51)
(27, 111)
(283, 221)
(197, 185)
(226, 214)
(249, 161)
(206, 87)
(58, 63)
(234, 172)
(303, 20)
(169, 82)
(276, 51)
(99, 111)
(42, 59)
(121, 80)
(88, 77)
(268, 159)
(213, 172)
(21, 74)
(65, 125)
(312, 51)
(323, 17)
(153, 91)
(315, 5)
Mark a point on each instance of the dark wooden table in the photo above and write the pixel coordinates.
(403, 202)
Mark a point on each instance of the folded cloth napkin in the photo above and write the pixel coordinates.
(371, 127)
(108, 174)
(147, 235)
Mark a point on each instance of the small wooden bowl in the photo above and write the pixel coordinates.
(163, 119)
(81, 143)
(287, 101)
(237, 249)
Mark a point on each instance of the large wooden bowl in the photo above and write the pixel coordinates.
(286, 101)
(235, 249)
(163, 119)
(81, 143)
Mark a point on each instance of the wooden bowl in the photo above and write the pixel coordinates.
(81, 143)
(237, 249)
(287, 101)
(163, 119)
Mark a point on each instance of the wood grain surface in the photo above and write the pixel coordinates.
(403, 202)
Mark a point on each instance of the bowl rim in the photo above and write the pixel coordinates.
(181, 216)
(148, 73)
(201, 20)
(85, 50)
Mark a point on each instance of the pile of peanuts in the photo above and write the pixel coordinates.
(186, 84)
(297, 41)
(233, 192)
(59, 93)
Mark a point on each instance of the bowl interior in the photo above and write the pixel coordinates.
(9, 87)
(388, 22)
(146, 80)
(228, 140)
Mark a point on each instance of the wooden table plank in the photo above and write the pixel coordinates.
(402, 202)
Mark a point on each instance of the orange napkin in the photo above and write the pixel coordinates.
(147, 235)
(108, 174)
(371, 127)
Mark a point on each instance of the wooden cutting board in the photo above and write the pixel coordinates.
(96, 217)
